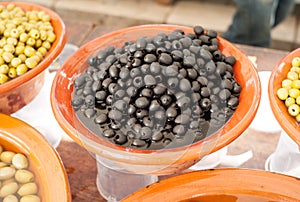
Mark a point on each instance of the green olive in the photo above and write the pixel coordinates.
(15, 62)
(294, 109)
(12, 73)
(31, 62)
(3, 78)
(282, 93)
(21, 69)
(296, 62)
(4, 69)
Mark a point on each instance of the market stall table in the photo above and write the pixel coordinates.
(81, 165)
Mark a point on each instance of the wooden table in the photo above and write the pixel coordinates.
(81, 166)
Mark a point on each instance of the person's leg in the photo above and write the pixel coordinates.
(284, 8)
(251, 23)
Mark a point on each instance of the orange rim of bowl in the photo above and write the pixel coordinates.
(44, 160)
(223, 181)
(56, 47)
(280, 111)
(229, 133)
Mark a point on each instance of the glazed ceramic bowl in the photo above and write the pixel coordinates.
(279, 73)
(19, 91)
(44, 161)
(157, 162)
(222, 185)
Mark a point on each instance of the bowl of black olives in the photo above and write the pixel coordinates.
(155, 99)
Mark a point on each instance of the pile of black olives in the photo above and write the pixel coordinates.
(156, 93)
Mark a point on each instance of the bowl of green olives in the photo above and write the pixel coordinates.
(30, 168)
(152, 104)
(284, 93)
(31, 37)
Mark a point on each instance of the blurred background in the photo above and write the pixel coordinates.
(211, 14)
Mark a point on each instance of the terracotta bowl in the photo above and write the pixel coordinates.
(44, 161)
(158, 162)
(280, 111)
(19, 91)
(222, 185)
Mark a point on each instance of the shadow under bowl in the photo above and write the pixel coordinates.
(19, 91)
(158, 162)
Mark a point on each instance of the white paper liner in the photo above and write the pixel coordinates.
(38, 114)
(264, 119)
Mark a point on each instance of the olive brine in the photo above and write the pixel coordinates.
(158, 92)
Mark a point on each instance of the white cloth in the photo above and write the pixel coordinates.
(38, 114)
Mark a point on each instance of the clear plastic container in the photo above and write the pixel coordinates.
(115, 183)
(286, 158)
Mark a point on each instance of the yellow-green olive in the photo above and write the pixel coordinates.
(12, 40)
(19, 50)
(9, 48)
(28, 189)
(3, 78)
(30, 41)
(34, 33)
(7, 156)
(21, 69)
(23, 37)
(7, 56)
(4, 69)
(20, 161)
(31, 62)
(30, 198)
(29, 51)
(14, 33)
(7, 172)
(46, 44)
(12, 72)
(43, 35)
(24, 176)
(9, 189)
(51, 37)
(3, 42)
(10, 198)
(10, 6)
(42, 50)
(15, 62)
(22, 57)
(38, 43)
